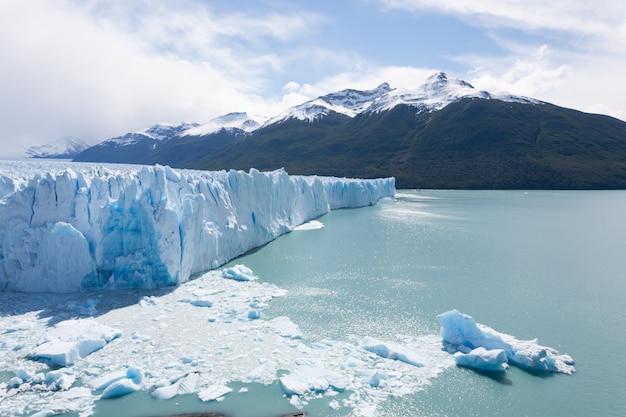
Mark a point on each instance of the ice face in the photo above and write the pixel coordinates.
(461, 333)
(81, 228)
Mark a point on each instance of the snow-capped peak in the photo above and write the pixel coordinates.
(157, 133)
(438, 91)
(435, 93)
(238, 122)
(162, 131)
(349, 102)
(355, 101)
(65, 148)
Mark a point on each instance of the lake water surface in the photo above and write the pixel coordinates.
(539, 264)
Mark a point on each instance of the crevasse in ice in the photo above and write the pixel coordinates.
(87, 227)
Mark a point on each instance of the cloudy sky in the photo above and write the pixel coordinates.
(99, 68)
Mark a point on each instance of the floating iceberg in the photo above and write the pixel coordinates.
(69, 229)
(214, 392)
(183, 385)
(239, 273)
(310, 225)
(131, 382)
(461, 333)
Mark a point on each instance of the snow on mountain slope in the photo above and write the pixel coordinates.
(238, 123)
(156, 133)
(438, 91)
(67, 228)
(348, 102)
(435, 93)
(163, 131)
(60, 149)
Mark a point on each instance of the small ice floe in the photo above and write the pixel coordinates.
(70, 401)
(71, 340)
(106, 380)
(239, 273)
(254, 314)
(461, 333)
(119, 383)
(493, 360)
(311, 376)
(392, 351)
(378, 380)
(214, 392)
(57, 380)
(285, 327)
(312, 225)
(148, 300)
(199, 302)
(182, 385)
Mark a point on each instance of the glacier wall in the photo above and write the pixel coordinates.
(77, 227)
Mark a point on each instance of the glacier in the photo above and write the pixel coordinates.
(77, 227)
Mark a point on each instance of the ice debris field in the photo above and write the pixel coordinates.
(61, 353)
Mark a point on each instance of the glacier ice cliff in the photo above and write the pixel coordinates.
(76, 227)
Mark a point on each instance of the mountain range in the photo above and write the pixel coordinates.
(66, 148)
(442, 134)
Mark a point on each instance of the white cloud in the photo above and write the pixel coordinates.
(600, 17)
(360, 79)
(578, 62)
(591, 83)
(97, 69)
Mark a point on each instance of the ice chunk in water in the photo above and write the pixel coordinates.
(72, 340)
(461, 333)
(183, 385)
(483, 359)
(392, 351)
(214, 392)
(131, 383)
(239, 273)
(311, 376)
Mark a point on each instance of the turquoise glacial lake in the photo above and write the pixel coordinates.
(549, 265)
